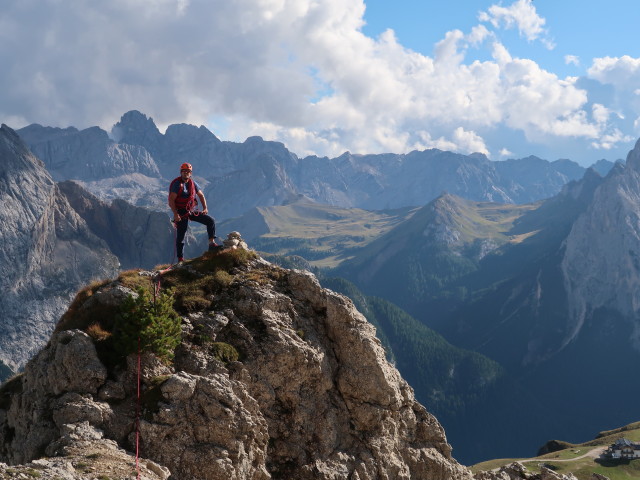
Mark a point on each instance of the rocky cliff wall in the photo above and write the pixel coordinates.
(86, 154)
(47, 252)
(601, 264)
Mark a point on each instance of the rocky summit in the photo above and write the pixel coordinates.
(271, 376)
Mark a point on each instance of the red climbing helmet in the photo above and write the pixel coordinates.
(186, 166)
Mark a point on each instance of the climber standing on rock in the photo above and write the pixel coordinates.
(182, 200)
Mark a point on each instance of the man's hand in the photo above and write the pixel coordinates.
(203, 202)
(176, 217)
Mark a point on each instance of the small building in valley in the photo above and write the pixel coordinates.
(623, 448)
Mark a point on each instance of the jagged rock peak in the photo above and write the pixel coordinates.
(603, 167)
(633, 158)
(447, 205)
(600, 265)
(583, 188)
(260, 146)
(190, 133)
(136, 128)
(22, 174)
(274, 377)
(15, 155)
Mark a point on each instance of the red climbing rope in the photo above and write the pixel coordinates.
(157, 278)
(138, 416)
(156, 291)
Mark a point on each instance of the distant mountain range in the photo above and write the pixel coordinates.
(134, 161)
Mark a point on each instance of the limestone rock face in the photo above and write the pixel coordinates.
(134, 128)
(47, 253)
(278, 378)
(86, 154)
(81, 453)
(134, 188)
(601, 265)
(264, 176)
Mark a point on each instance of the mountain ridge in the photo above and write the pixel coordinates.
(273, 174)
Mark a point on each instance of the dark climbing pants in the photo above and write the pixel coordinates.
(182, 225)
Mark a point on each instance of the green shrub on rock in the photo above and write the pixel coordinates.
(154, 322)
(224, 352)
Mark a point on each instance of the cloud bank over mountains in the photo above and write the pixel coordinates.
(304, 73)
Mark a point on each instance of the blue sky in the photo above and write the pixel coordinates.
(507, 78)
(586, 29)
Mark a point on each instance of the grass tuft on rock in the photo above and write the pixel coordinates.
(75, 316)
(189, 288)
(203, 277)
(224, 352)
(225, 260)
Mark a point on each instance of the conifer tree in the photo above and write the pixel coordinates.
(153, 323)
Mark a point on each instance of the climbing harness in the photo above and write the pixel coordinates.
(187, 214)
(187, 202)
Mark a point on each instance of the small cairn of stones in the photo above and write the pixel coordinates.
(234, 240)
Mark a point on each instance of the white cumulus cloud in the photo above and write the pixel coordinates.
(610, 140)
(505, 153)
(600, 113)
(623, 72)
(572, 60)
(522, 15)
